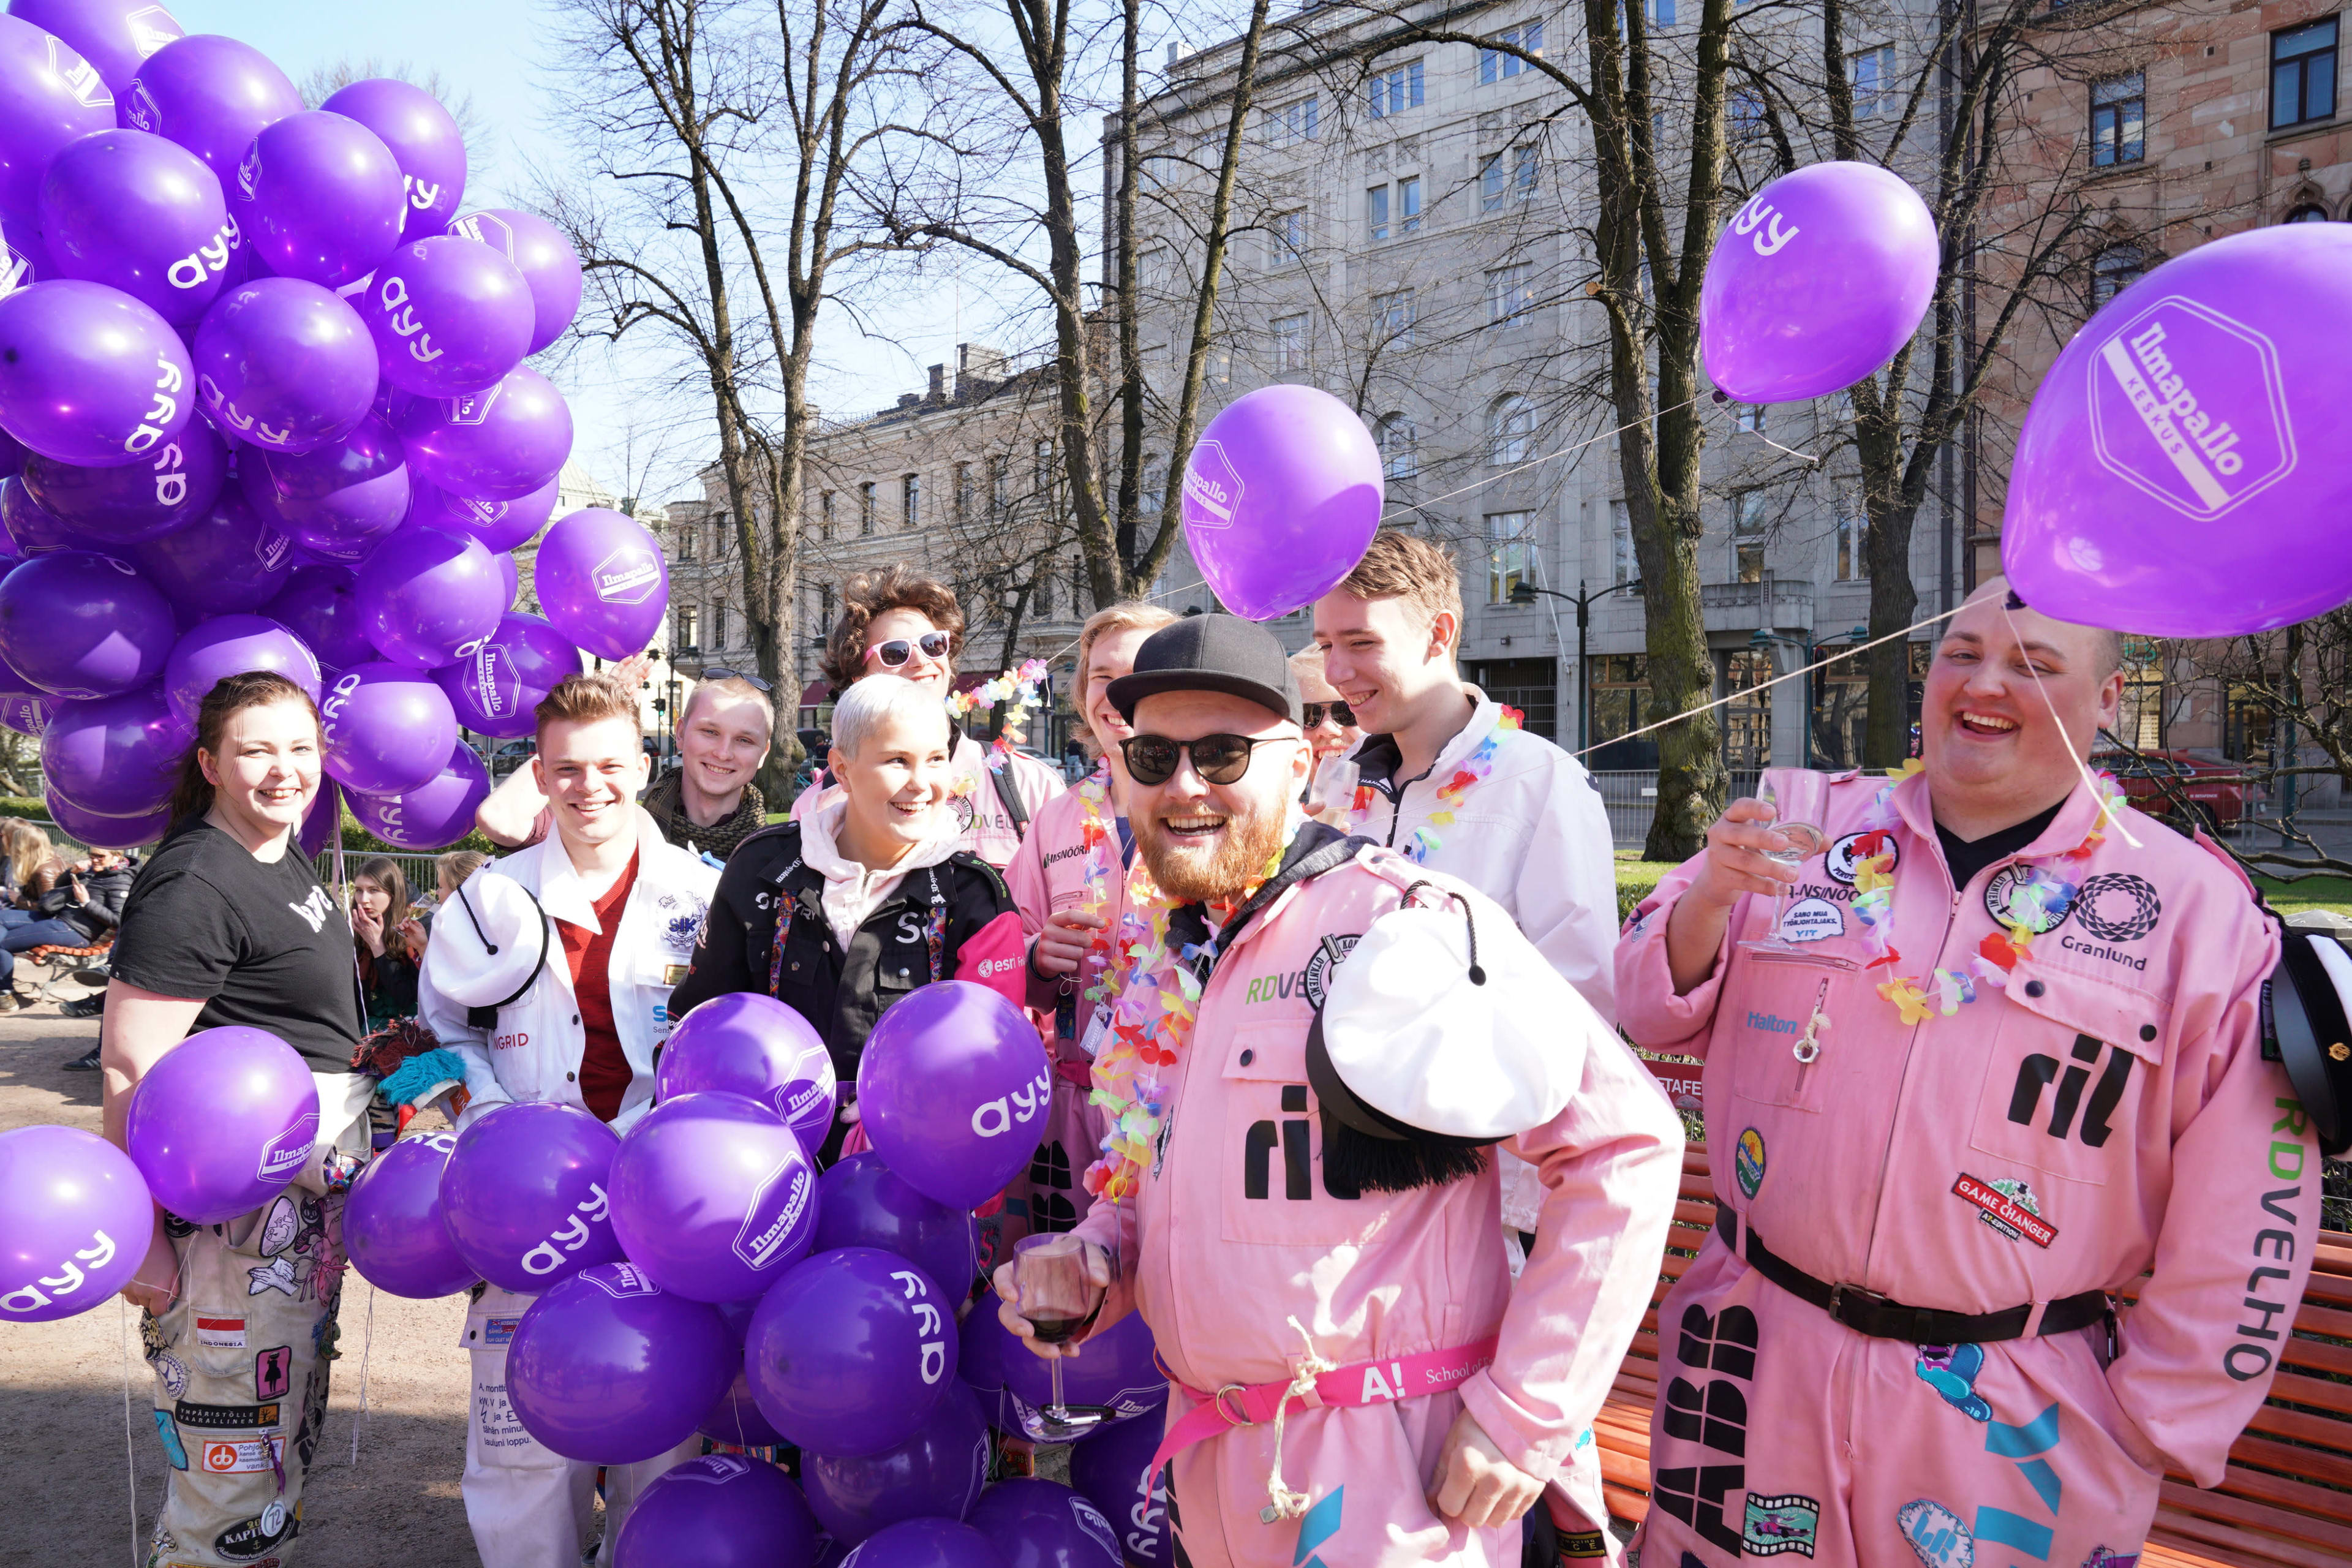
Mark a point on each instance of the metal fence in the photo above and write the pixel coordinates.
(1632, 799)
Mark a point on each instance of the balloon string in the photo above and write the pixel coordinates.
(367, 1344)
(129, 1445)
(2107, 812)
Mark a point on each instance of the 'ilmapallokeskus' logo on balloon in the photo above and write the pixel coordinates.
(1090, 1520)
(283, 1155)
(146, 115)
(151, 29)
(627, 576)
(785, 1191)
(495, 686)
(475, 407)
(485, 228)
(16, 270)
(2190, 408)
(1212, 487)
(621, 1280)
(80, 77)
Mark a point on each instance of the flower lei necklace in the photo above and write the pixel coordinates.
(1450, 794)
(2040, 894)
(1096, 835)
(1016, 687)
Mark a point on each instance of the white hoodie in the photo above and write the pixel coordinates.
(852, 892)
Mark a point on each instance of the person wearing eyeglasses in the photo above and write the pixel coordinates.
(896, 622)
(1330, 724)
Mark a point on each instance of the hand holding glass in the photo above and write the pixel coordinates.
(1050, 1288)
(1800, 841)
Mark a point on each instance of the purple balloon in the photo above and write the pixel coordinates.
(114, 36)
(106, 832)
(510, 575)
(132, 502)
(116, 756)
(229, 558)
(1117, 1374)
(424, 138)
(142, 214)
(78, 623)
(1039, 1523)
(49, 96)
(284, 364)
(979, 1361)
(851, 1351)
(938, 1473)
(319, 197)
(736, 1417)
(320, 605)
(450, 317)
(495, 689)
(2189, 395)
(1816, 283)
(1113, 1468)
(233, 645)
(12, 454)
(33, 529)
(861, 1201)
(427, 597)
(722, 1510)
(389, 730)
(713, 1196)
(499, 524)
(499, 445)
(432, 818)
(75, 1222)
(748, 1044)
(213, 96)
(545, 257)
(24, 261)
(953, 1088)
(1281, 497)
(392, 1223)
(320, 822)
(609, 1368)
(925, 1543)
(524, 1197)
(603, 582)
(339, 499)
(223, 1122)
(90, 376)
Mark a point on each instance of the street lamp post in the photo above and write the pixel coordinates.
(1524, 592)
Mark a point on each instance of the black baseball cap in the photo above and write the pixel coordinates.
(2307, 1019)
(1211, 653)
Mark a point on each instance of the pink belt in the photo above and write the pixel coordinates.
(1361, 1382)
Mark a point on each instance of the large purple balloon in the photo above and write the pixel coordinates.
(545, 256)
(230, 558)
(714, 1196)
(319, 197)
(953, 1088)
(117, 756)
(424, 138)
(938, 1473)
(320, 823)
(285, 365)
(852, 1351)
(339, 499)
(233, 644)
(2207, 384)
(609, 1368)
(389, 727)
(1115, 1372)
(49, 96)
(213, 96)
(106, 832)
(320, 605)
(1113, 1468)
(33, 529)
(861, 1201)
(524, 1197)
(450, 317)
(434, 816)
(495, 689)
(748, 1044)
(131, 502)
(498, 524)
(223, 1122)
(78, 623)
(498, 445)
(90, 376)
(24, 261)
(1816, 283)
(1039, 1523)
(427, 597)
(736, 1417)
(925, 1544)
(391, 1225)
(142, 214)
(722, 1510)
(603, 582)
(114, 36)
(1282, 494)
(26, 712)
(75, 1222)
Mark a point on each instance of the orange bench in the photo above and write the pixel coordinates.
(2286, 1500)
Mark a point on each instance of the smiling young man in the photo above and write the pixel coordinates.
(2004, 1061)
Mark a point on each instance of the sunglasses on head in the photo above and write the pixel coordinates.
(1219, 759)
(1341, 714)
(720, 673)
(932, 645)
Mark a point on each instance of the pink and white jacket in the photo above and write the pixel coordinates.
(2103, 1113)
(989, 830)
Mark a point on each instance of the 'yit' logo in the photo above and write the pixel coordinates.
(1297, 1159)
(2036, 1073)
(2189, 406)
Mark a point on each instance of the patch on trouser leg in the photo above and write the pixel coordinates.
(1713, 1415)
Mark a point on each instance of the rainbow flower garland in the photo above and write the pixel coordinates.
(1095, 836)
(1450, 794)
(1016, 687)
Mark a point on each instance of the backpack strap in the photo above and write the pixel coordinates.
(1013, 806)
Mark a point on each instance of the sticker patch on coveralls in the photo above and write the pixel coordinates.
(1936, 1535)
(1781, 1524)
(1747, 1162)
(2010, 1207)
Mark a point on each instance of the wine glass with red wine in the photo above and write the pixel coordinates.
(1052, 1290)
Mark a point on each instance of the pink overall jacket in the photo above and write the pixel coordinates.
(989, 830)
(1235, 1232)
(2103, 1113)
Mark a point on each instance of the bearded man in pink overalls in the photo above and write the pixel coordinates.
(1356, 1383)
(2003, 1059)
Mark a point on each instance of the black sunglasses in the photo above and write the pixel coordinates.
(720, 672)
(898, 650)
(1220, 759)
(1341, 714)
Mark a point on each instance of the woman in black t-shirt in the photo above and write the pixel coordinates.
(227, 924)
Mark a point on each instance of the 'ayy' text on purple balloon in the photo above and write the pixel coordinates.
(434, 815)
(450, 317)
(423, 136)
(284, 364)
(213, 96)
(79, 1222)
(142, 215)
(525, 1196)
(603, 582)
(130, 502)
(49, 96)
(90, 376)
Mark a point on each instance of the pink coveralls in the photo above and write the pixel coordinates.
(2106, 1112)
(1235, 1231)
(989, 830)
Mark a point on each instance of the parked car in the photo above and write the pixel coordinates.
(2159, 783)
(510, 755)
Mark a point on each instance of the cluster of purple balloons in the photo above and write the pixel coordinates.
(263, 406)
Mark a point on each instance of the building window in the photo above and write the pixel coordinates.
(1396, 89)
(1000, 486)
(686, 534)
(911, 500)
(1621, 567)
(1744, 111)
(1510, 294)
(1376, 211)
(1510, 547)
(1494, 65)
(718, 625)
(1041, 596)
(1408, 205)
(1393, 435)
(1748, 528)
(1393, 318)
(2308, 213)
(1041, 470)
(2115, 270)
(1750, 417)
(1154, 494)
(1286, 237)
(824, 517)
(1507, 177)
(1289, 123)
(865, 508)
(1510, 431)
(1620, 689)
(1853, 538)
(1661, 13)
(824, 607)
(1873, 82)
(688, 632)
(963, 492)
(1290, 343)
(2118, 120)
(2302, 74)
